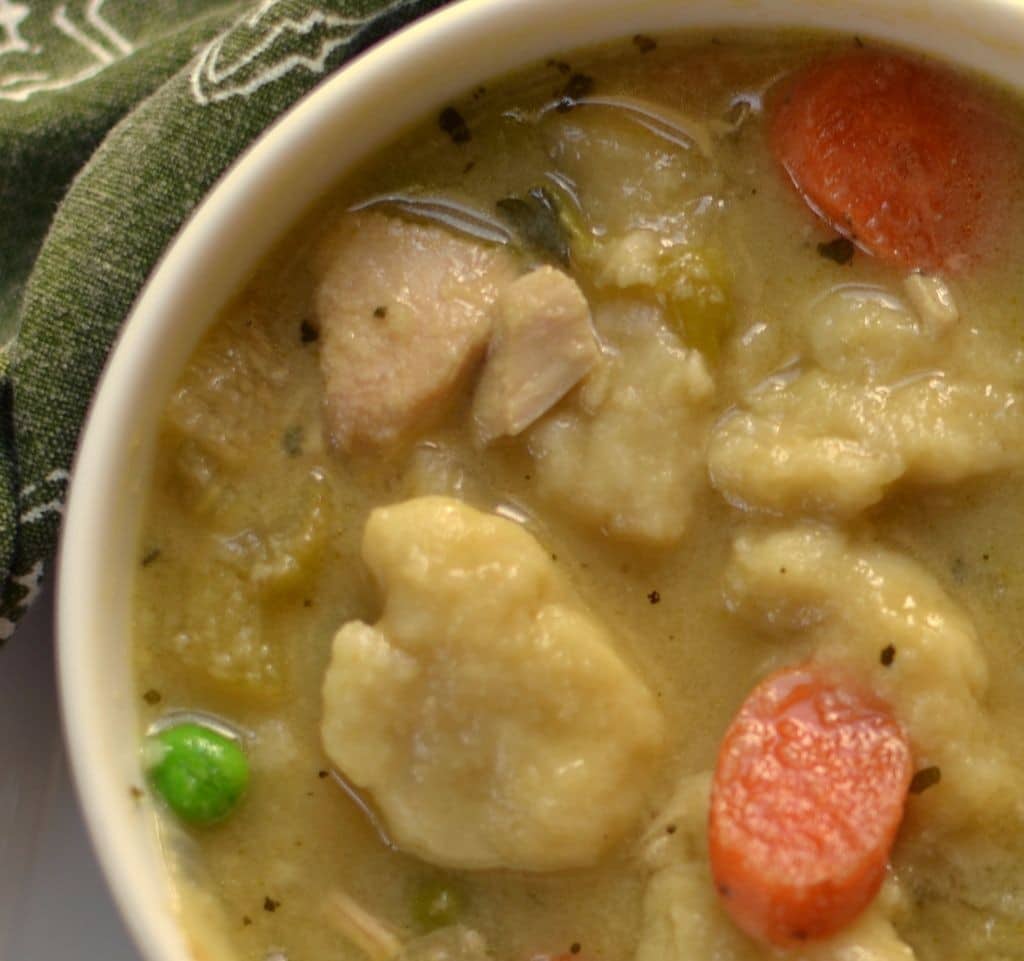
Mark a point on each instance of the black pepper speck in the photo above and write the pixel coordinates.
(454, 124)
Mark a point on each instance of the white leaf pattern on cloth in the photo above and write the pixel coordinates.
(96, 36)
(11, 15)
(37, 512)
(260, 63)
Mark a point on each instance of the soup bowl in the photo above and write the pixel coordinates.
(327, 135)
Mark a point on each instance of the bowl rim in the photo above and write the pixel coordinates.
(983, 34)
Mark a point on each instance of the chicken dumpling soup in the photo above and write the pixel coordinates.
(596, 530)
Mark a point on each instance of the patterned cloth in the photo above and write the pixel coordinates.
(170, 92)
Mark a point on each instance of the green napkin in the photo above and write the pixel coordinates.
(123, 113)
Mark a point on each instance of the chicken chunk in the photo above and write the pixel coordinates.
(877, 396)
(627, 456)
(405, 311)
(849, 602)
(684, 921)
(543, 345)
(487, 707)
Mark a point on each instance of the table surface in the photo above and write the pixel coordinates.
(54, 902)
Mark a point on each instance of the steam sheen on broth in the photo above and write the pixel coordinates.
(534, 449)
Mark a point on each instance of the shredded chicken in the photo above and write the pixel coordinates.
(378, 941)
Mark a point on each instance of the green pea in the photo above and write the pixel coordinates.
(199, 773)
(436, 904)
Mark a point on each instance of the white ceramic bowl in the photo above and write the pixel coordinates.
(314, 145)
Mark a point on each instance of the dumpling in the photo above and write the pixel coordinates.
(627, 455)
(877, 396)
(486, 715)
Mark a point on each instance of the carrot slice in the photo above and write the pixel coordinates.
(902, 157)
(806, 800)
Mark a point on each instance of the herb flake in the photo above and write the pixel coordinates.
(291, 440)
(308, 332)
(536, 220)
(958, 570)
(152, 696)
(839, 251)
(580, 85)
(643, 43)
(454, 124)
(887, 656)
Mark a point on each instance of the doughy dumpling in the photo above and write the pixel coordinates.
(486, 714)
(627, 455)
(877, 396)
(850, 602)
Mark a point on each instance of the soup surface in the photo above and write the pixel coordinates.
(574, 415)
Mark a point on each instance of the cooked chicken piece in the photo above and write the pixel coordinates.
(486, 714)
(405, 310)
(543, 345)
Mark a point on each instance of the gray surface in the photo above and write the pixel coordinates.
(54, 904)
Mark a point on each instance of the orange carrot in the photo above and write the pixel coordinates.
(806, 800)
(902, 157)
